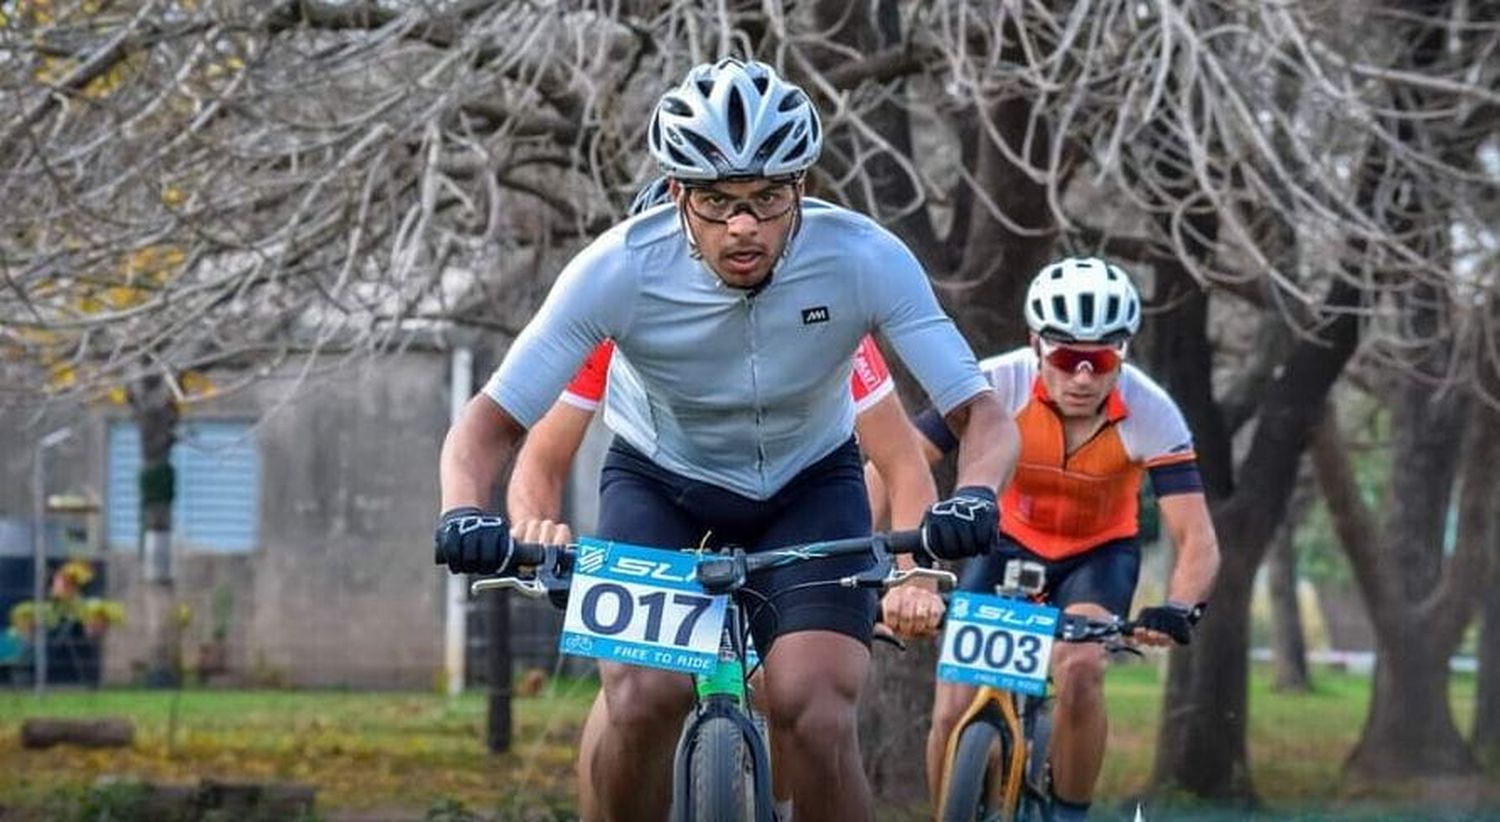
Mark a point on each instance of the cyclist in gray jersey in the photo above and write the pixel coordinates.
(737, 309)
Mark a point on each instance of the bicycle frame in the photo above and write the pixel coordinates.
(723, 693)
(1017, 715)
(999, 708)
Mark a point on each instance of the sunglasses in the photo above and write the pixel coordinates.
(1071, 360)
(711, 205)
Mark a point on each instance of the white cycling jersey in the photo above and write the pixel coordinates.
(736, 388)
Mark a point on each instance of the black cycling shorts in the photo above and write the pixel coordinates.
(644, 504)
(1106, 575)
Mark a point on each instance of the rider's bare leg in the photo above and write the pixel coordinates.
(1079, 725)
(813, 679)
(949, 701)
(629, 743)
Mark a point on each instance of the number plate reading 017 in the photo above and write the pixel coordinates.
(642, 606)
(1004, 643)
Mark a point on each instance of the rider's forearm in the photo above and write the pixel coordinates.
(534, 494)
(1197, 566)
(474, 451)
(911, 491)
(988, 442)
(1187, 521)
(535, 491)
(880, 503)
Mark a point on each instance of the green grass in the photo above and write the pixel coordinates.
(361, 750)
(381, 751)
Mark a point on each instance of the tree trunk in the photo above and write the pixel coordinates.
(1419, 598)
(1288, 639)
(497, 654)
(1288, 642)
(1001, 256)
(1409, 731)
(1487, 694)
(108, 732)
(1202, 747)
(895, 713)
(156, 414)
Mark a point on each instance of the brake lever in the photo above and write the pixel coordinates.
(873, 577)
(528, 587)
(946, 580)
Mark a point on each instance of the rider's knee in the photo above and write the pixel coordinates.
(948, 708)
(1079, 674)
(646, 699)
(816, 722)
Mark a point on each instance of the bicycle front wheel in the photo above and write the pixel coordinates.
(723, 774)
(978, 767)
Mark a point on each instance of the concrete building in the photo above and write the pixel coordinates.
(308, 498)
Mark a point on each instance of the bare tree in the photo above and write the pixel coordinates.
(229, 184)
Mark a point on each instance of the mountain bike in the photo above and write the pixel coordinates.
(996, 766)
(676, 611)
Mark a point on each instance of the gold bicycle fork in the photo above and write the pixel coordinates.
(992, 705)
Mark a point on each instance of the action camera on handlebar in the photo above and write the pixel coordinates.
(1024, 576)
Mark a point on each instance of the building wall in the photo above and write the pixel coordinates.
(341, 588)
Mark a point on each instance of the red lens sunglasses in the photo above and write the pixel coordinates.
(1070, 360)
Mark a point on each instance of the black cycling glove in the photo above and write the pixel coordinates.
(964, 525)
(1171, 618)
(469, 541)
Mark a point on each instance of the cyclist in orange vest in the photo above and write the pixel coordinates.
(1092, 427)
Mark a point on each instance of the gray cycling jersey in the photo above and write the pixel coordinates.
(720, 385)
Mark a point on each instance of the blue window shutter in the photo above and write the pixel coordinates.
(218, 486)
(217, 507)
(122, 490)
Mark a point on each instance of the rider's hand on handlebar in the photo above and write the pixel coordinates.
(542, 532)
(1166, 623)
(469, 541)
(913, 610)
(964, 525)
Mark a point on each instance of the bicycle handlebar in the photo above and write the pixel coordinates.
(725, 571)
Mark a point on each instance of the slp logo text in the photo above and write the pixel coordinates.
(650, 569)
(1008, 617)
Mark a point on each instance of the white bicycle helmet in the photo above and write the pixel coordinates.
(731, 119)
(1083, 299)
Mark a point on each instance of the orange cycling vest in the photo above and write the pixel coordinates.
(1060, 504)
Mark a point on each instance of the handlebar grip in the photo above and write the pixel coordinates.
(905, 542)
(528, 554)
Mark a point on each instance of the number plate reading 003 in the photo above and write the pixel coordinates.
(642, 606)
(1004, 643)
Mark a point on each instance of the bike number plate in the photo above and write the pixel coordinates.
(641, 606)
(1003, 643)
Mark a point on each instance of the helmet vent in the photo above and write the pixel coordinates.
(736, 112)
(705, 87)
(770, 144)
(791, 101)
(761, 83)
(1036, 308)
(1060, 308)
(675, 106)
(706, 147)
(1057, 272)
(1086, 309)
(798, 148)
(1111, 310)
